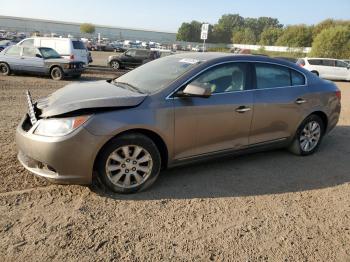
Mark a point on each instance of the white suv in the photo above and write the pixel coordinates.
(327, 68)
(72, 49)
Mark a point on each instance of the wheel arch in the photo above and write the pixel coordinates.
(320, 114)
(53, 66)
(156, 138)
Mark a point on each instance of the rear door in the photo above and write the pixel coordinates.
(13, 57)
(279, 101)
(80, 52)
(220, 122)
(329, 69)
(141, 56)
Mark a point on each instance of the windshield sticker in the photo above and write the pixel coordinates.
(189, 61)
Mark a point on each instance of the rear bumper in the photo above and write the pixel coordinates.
(67, 159)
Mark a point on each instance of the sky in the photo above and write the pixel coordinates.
(162, 15)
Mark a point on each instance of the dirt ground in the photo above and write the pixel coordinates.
(270, 206)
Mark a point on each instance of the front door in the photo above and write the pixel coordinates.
(30, 62)
(217, 123)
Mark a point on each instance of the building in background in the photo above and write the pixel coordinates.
(30, 25)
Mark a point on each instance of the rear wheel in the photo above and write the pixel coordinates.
(56, 73)
(115, 65)
(4, 69)
(129, 163)
(308, 137)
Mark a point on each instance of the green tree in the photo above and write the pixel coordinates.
(296, 36)
(332, 42)
(244, 36)
(328, 23)
(87, 28)
(226, 25)
(189, 32)
(270, 35)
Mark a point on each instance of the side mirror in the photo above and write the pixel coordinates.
(195, 91)
(38, 56)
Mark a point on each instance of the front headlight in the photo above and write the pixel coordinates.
(59, 126)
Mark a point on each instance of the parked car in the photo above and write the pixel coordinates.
(175, 110)
(5, 43)
(38, 61)
(289, 59)
(132, 58)
(68, 48)
(326, 68)
(347, 61)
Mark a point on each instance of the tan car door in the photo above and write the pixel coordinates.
(217, 123)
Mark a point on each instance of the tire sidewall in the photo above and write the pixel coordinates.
(300, 129)
(8, 69)
(132, 139)
(55, 69)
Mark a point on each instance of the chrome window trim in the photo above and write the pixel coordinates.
(243, 61)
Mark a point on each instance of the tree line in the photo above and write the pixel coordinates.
(329, 38)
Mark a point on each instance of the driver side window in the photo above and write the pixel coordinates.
(131, 53)
(224, 78)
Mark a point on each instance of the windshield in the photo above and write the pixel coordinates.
(49, 53)
(157, 74)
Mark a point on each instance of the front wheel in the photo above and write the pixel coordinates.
(115, 65)
(129, 163)
(308, 137)
(4, 69)
(56, 73)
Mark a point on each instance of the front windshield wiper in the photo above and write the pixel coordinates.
(130, 86)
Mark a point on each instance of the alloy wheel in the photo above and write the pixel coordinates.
(310, 136)
(129, 166)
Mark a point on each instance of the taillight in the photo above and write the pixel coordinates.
(338, 94)
(71, 57)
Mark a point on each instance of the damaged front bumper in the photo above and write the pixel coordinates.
(66, 159)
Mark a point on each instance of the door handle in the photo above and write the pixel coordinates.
(242, 109)
(300, 101)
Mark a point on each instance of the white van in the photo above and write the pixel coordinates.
(327, 68)
(68, 48)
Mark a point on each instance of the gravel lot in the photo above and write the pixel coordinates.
(261, 207)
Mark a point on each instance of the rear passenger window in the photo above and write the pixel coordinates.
(315, 62)
(270, 76)
(14, 50)
(78, 45)
(28, 42)
(142, 53)
(328, 62)
(297, 78)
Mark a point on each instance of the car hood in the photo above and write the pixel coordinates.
(89, 95)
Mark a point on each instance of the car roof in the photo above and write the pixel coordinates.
(222, 57)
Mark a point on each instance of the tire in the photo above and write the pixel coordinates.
(56, 73)
(115, 65)
(315, 72)
(4, 69)
(129, 172)
(298, 146)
